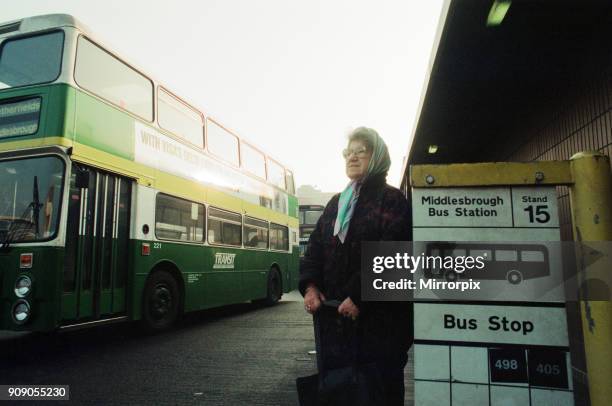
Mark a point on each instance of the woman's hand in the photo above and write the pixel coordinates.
(313, 299)
(348, 309)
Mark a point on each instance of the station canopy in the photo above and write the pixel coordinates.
(488, 82)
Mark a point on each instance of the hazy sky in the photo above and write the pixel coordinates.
(292, 76)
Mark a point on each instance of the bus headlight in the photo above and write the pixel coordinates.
(23, 286)
(21, 311)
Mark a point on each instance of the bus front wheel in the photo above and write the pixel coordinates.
(161, 298)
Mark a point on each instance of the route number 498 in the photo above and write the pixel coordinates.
(538, 214)
(506, 364)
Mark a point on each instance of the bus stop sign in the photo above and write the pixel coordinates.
(495, 352)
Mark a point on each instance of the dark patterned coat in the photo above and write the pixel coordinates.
(382, 213)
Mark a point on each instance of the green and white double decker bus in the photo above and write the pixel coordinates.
(121, 201)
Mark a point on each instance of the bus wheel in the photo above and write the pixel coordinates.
(274, 287)
(514, 277)
(160, 307)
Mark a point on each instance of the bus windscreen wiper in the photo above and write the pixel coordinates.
(35, 205)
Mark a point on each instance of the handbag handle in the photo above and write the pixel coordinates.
(335, 303)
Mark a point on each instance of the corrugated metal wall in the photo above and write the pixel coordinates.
(582, 121)
(578, 121)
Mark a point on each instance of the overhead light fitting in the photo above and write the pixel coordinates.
(498, 12)
(432, 149)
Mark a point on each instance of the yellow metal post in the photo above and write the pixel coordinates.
(591, 202)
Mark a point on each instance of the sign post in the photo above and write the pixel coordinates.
(502, 351)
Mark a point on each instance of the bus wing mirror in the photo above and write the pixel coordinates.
(82, 178)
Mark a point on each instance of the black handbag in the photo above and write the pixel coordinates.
(353, 384)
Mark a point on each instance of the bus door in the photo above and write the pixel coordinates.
(97, 238)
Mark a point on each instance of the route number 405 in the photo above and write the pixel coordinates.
(538, 214)
(548, 369)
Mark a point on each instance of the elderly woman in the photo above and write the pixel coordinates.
(367, 210)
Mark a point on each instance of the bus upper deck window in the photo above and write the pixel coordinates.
(101, 73)
(31, 60)
(222, 143)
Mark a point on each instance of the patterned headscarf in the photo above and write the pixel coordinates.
(379, 164)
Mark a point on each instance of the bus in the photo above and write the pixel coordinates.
(309, 215)
(511, 262)
(121, 201)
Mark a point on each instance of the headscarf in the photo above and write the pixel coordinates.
(379, 164)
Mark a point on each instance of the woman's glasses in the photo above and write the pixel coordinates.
(359, 152)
